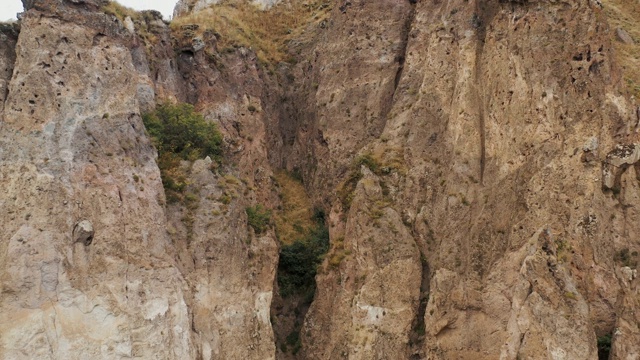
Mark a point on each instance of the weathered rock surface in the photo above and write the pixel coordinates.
(8, 39)
(493, 139)
(184, 7)
(480, 173)
(624, 36)
(72, 141)
(230, 268)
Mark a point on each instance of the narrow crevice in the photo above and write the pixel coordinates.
(403, 47)
(483, 16)
(604, 346)
(294, 291)
(417, 335)
(401, 57)
(9, 33)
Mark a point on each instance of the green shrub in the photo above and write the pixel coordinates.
(604, 346)
(259, 218)
(299, 262)
(179, 129)
(627, 258)
(180, 133)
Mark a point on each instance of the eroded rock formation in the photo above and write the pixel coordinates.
(477, 160)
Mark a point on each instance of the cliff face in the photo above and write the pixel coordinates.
(96, 263)
(87, 267)
(476, 159)
(488, 166)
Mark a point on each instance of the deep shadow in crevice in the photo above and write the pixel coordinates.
(604, 346)
(417, 335)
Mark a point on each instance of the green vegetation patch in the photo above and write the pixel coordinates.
(604, 346)
(627, 258)
(299, 261)
(180, 133)
(178, 129)
(259, 218)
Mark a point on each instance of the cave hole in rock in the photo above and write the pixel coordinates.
(83, 232)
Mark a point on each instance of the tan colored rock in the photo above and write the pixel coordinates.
(368, 290)
(72, 140)
(480, 171)
(484, 141)
(229, 268)
(624, 36)
(185, 7)
(8, 37)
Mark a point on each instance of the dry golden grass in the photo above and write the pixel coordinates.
(140, 20)
(294, 220)
(239, 23)
(120, 11)
(625, 14)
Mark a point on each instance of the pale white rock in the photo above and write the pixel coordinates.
(128, 24)
(185, 7)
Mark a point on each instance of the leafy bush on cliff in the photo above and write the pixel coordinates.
(180, 130)
(180, 133)
(259, 218)
(299, 262)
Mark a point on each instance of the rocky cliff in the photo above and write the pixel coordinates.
(477, 162)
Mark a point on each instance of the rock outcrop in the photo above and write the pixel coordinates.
(479, 173)
(71, 142)
(492, 143)
(185, 7)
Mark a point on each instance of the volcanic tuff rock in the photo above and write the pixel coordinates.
(185, 7)
(488, 123)
(478, 162)
(72, 141)
(193, 285)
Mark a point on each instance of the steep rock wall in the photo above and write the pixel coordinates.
(480, 173)
(88, 270)
(228, 267)
(491, 152)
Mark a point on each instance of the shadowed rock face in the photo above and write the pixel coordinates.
(477, 161)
